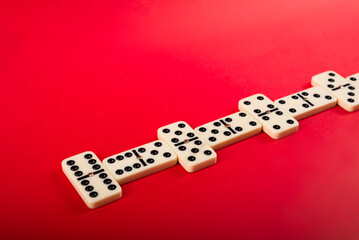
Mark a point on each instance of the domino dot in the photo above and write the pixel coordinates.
(279, 113)
(142, 150)
(119, 172)
(136, 165)
(212, 139)
(270, 106)
(107, 181)
(226, 133)
(353, 78)
(316, 95)
(88, 156)
(89, 188)
(242, 114)
(158, 144)
(217, 124)
(103, 175)
(252, 123)
(182, 148)
(174, 140)
(332, 74)
(74, 168)
(295, 97)
(119, 157)
(208, 152)
(198, 142)
(95, 167)
(78, 173)
(328, 97)
(331, 80)
(351, 88)
(70, 162)
(111, 187)
(166, 130)
(305, 105)
(93, 194)
(154, 152)
(228, 119)
(281, 101)
(111, 160)
(266, 118)
(92, 161)
(289, 121)
(178, 132)
(260, 98)
(350, 100)
(85, 182)
(150, 160)
(276, 127)
(351, 94)
(167, 154)
(292, 110)
(305, 93)
(190, 134)
(238, 129)
(330, 86)
(128, 154)
(247, 103)
(202, 129)
(195, 150)
(128, 169)
(181, 125)
(214, 131)
(191, 158)
(257, 110)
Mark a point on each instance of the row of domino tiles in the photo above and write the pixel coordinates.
(98, 183)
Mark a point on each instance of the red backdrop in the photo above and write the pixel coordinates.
(105, 75)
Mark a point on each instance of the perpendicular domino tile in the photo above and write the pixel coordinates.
(193, 153)
(92, 181)
(229, 130)
(307, 102)
(276, 123)
(140, 161)
(346, 92)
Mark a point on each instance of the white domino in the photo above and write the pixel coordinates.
(229, 130)
(346, 92)
(276, 123)
(307, 102)
(193, 153)
(140, 162)
(92, 181)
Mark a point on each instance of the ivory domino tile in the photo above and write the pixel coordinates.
(193, 153)
(92, 181)
(307, 102)
(229, 130)
(276, 123)
(140, 161)
(346, 92)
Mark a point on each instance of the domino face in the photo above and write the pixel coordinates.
(307, 102)
(276, 123)
(228, 130)
(354, 79)
(92, 181)
(344, 90)
(140, 162)
(193, 153)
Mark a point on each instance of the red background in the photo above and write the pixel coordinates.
(105, 75)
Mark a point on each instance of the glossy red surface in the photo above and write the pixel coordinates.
(105, 75)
